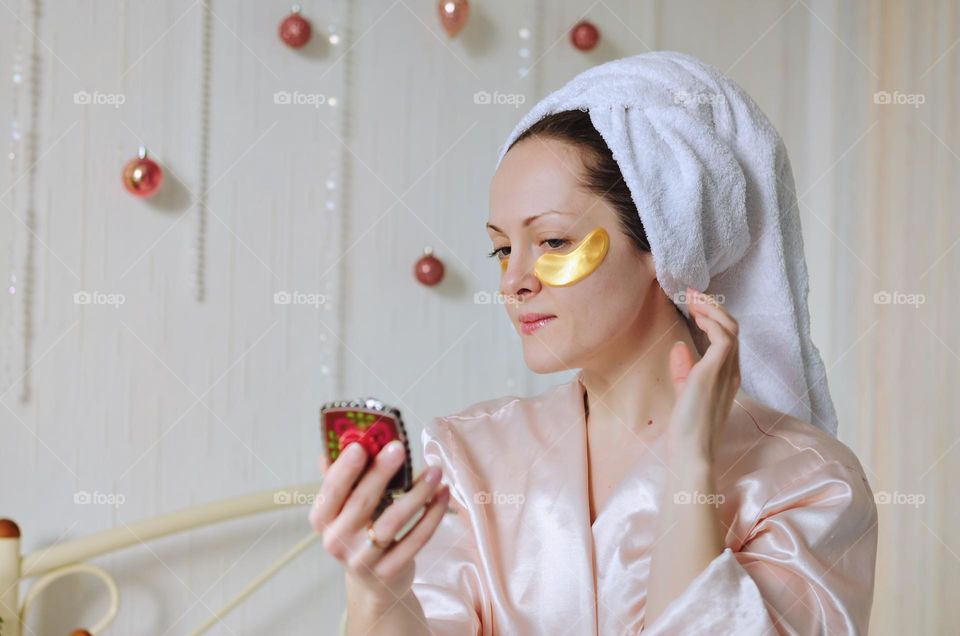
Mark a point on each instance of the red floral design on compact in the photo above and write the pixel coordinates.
(373, 425)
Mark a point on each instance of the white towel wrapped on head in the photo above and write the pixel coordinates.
(714, 189)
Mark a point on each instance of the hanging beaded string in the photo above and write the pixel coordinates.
(29, 163)
(203, 171)
(22, 157)
(524, 51)
(337, 196)
(529, 51)
(7, 352)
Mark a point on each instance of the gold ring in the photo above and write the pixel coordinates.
(372, 539)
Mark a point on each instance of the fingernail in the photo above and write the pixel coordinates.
(354, 451)
(432, 476)
(394, 448)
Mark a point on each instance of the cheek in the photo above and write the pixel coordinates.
(604, 283)
(611, 295)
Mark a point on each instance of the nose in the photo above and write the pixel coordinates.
(518, 280)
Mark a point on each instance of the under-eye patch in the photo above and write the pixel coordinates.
(560, 270)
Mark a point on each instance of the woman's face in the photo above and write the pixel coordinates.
(537, 206)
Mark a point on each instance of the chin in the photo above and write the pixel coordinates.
(541, 360)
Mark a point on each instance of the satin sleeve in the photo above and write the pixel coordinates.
(447, 579)
(807, 566)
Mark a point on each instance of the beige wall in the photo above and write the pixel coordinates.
(168, 402)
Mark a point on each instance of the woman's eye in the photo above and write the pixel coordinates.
(562, 243)
(503, 252)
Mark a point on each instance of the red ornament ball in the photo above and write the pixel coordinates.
(295, 30)
(453, 15)
(429, 269)
(584, 35)
(142, 176)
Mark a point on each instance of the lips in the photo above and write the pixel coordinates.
(534, 321)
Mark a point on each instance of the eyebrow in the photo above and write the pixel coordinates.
(530, 219)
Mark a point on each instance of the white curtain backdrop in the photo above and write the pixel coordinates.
(161, 402)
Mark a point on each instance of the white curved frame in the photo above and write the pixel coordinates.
(53, 562)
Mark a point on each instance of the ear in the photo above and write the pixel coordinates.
(681, 361)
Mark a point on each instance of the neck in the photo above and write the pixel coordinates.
(631, 385)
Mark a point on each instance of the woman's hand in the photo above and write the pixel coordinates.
(705, 390)
(690, 534)
(344, 508)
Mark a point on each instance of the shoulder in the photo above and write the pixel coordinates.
(509, 428)
(446, 428)
(761, 440)
(484, 409)
(783, 468)
(490, 413)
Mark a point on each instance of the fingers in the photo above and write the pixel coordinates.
(680, 364)
(708, 313)
(398, 514)
(407, 548)
(336, 486)
(364, 498)
(723, 354)
(722, 330)
(707, 304)
(400, 511)
(721, 341)
(342, 518)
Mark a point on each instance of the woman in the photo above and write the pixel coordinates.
(650, 492)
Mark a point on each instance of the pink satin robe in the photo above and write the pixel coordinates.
(520, 557)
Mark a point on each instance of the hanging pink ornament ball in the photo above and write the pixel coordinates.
(584, 35)
(429, 269)
(295, 30)
(142, 176)
(453, 15)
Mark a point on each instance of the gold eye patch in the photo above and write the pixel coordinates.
(560, 270)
